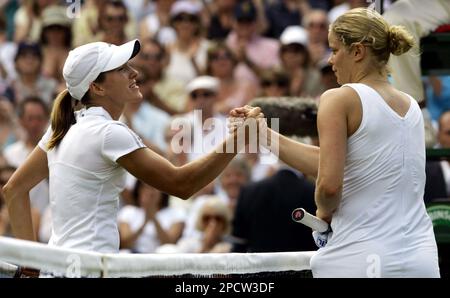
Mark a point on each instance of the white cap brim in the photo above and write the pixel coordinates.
(122, 54)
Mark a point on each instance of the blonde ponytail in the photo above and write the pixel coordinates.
(62, 118)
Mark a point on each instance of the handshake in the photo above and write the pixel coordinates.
(238, 116)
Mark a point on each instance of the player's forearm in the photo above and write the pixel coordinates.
(327, 199)
(19, 214)
(302, 157)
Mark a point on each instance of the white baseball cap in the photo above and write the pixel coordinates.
(294, 34)
(185, 6)
(85, 63)
(203, 82)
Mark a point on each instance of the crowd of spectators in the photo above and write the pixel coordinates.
(198, 60)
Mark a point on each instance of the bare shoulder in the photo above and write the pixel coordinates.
(345, 97)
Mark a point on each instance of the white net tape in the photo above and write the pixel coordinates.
(76, 263)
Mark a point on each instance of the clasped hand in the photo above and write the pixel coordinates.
(238, 116)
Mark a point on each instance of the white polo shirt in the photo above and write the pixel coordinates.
(85, 181)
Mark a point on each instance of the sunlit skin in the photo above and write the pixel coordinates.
(340, 60)
(118, 89)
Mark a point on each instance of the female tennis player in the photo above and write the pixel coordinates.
(370, 167)
(85, 155)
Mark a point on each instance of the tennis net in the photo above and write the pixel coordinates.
(57, 262)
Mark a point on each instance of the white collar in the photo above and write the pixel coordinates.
(93, 111)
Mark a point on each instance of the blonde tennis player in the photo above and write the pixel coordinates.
(370, 167)
(85, 155)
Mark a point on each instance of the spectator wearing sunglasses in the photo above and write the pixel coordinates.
(158, 89)
(188, 52)
(274, 83)
(254, 52)
(221, 64)
(296, 61)
(96, 16)
(208, 127)
(214, 224)
(316, 24)
(112, 20)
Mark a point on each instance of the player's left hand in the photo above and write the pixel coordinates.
(321, 239)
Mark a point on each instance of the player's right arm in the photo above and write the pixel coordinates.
(188, 179)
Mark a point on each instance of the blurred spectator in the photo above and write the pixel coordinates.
(263, 217)
(156, 25)
(261, 167)
(140, 8)
(213, 223)
(165, 94)
(254, 52)
(151, 223)
(9, 9)
(284, 13)
(437, 184)
(316, 23)
(420, 18)
(437, 96)
(221, 21)
(88, 28)
(188, 52)
(235, 176)
(328, 78)
(30, 81)
(112, 21)
(208, 129)
(6, 172)
(7, 51)
(9, 128)
(56, 41)
(34, 117)
(343, 6)
(28, 20)
(275, 83)
(296, 61)
(232, 93)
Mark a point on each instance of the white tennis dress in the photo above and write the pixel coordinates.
(85, 181)
(381, 228)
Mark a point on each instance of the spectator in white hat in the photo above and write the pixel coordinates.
(296, 61)
(85, 154)
(188, 52)
(56, 40)
(202, 94)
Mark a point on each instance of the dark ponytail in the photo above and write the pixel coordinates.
(62, 118)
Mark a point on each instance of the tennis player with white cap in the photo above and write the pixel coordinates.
(85, 154)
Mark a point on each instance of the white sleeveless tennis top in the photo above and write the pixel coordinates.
(381, 228)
